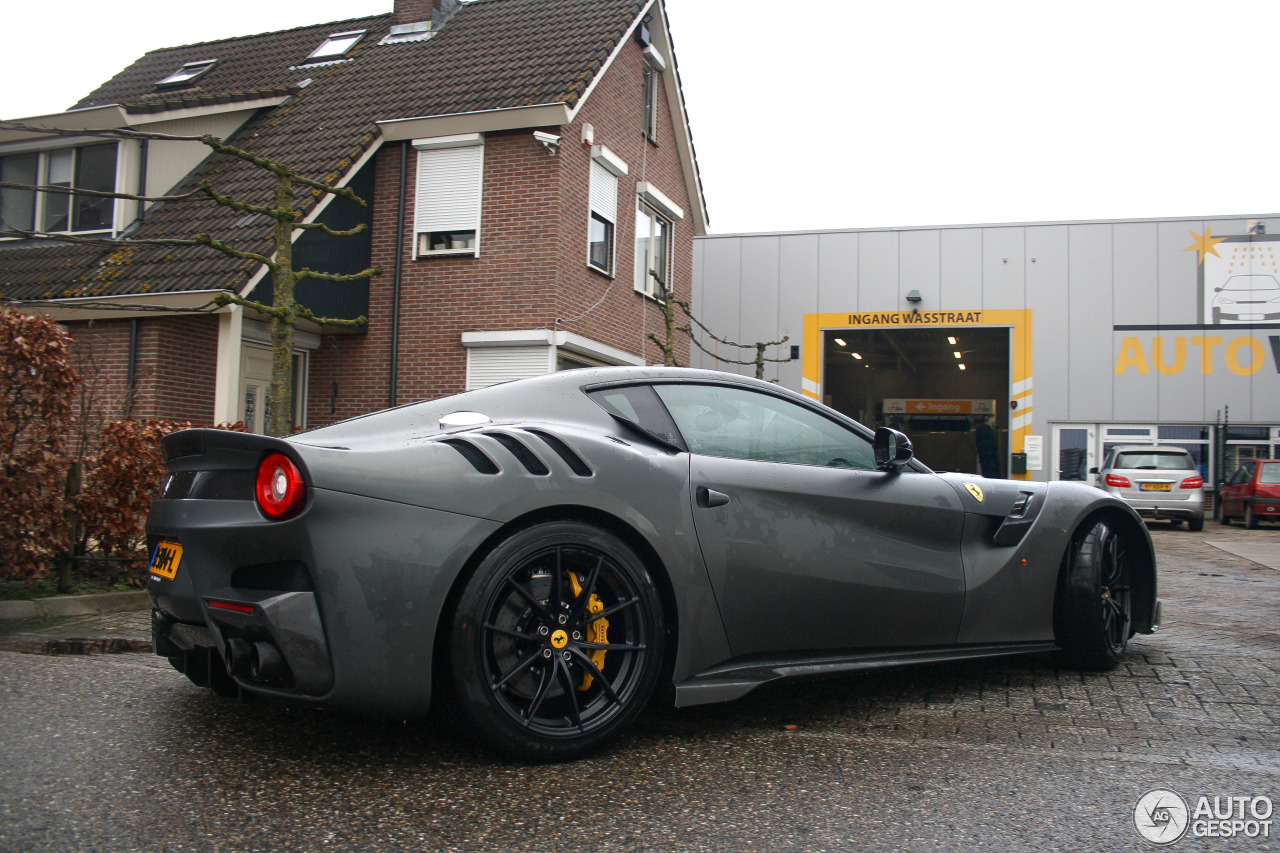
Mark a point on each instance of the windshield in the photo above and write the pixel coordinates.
(1251, 283)
(1155, 460)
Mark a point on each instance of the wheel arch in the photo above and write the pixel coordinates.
(566, 512)
(1139, 549)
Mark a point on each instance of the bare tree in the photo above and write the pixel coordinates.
(285, 311)
(669, 302)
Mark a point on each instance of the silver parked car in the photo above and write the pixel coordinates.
(1158, 482)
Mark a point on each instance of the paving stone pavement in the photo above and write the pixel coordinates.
(1203, 691)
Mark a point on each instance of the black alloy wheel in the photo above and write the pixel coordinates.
(1093, 617)
(556, 642)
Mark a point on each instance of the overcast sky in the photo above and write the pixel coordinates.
(844, 113)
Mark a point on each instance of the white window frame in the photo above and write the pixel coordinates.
(448, 194)
(606, 167)
(42, 199)
(645, 282)
(188, 72)
(351, 37)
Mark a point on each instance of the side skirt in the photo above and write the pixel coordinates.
(734, 680)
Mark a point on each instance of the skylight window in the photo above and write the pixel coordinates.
(336, 46)
(188, 72)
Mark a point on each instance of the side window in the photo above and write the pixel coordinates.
(744, 424)
(638, 404)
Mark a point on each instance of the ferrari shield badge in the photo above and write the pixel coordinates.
(975, 490)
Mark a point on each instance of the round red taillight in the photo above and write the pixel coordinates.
(1118, 482)
(280, 489)
(1192, 483)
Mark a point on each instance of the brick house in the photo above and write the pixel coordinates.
(525, 162)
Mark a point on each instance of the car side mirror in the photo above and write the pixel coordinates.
(1093, 470)
(892, 449)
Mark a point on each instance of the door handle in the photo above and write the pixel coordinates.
(708, 498)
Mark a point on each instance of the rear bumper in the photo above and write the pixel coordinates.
(1265, 506)
(1163, 512)
(337, 606)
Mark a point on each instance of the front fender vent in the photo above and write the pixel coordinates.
(523, 454)
(477, 457)
(575, 462)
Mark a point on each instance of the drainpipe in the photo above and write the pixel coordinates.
(399, 269)
(142, 180)
(131, 383)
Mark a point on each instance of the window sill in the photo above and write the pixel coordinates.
(602, 273)
(447, 253)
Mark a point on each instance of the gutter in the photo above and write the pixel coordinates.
(399, 269)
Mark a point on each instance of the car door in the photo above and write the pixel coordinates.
(1236, 489)
(808, 547)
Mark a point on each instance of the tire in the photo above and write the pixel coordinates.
(1093, 614)
(1250, 519)
(1195, 525)
(1223, 518)
(534, 672)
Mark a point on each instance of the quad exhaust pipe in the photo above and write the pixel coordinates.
(260, 661)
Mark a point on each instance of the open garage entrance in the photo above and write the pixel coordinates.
(946, 388)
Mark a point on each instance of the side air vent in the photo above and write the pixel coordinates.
(290, 576)
(527, 457)
(565, 452)
(474, 455)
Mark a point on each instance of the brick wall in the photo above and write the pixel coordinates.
(532, 270)
(176, 360)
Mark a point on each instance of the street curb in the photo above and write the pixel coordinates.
(73, 605)
(75, 646)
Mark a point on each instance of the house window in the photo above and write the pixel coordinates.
(335, 46)
(604, 215)
(188, 72)
(448, 192)
(86, 167)
(18, 207)
(649, 121)
(653, 252)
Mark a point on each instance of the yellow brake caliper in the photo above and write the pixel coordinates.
(597, 631)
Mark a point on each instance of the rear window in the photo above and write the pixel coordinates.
(1156, 460)
(1270, 473)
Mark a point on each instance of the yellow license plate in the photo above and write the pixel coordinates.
(1157, 487)
(164, 562)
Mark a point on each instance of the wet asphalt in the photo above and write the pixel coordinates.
(117, 752)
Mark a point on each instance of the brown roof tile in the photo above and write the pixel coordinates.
(492, 54)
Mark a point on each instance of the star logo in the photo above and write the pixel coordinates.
(1204, 244)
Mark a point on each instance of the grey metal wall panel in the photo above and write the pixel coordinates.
(798, 295)
(878, 271)
(961, 269)
(1003, 282)
(721, 274)
(921, 263)
(838, 272)
(1181, 391)
(758, 311)
(1090, 351)
(1134, 300)
(1047, 297)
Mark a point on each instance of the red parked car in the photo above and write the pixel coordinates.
(1252, 493)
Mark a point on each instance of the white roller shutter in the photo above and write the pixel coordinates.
(604, 192)
(490, 365)
(448, 189)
